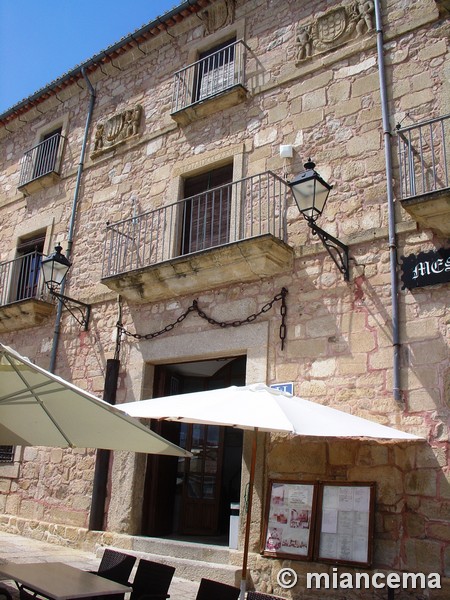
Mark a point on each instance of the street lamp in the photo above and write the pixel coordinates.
(310, 193)
(54, 270)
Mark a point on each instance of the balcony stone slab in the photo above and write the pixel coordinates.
(41, 183)
(210, 106)
(244, 261)
(24, 314)
(431, 210)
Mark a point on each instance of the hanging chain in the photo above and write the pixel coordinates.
(195, 308)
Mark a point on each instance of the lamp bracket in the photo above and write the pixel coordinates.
(335, 248)
(72, 305)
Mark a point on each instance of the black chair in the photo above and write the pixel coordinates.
(5, 594)
(152, 581)
(213, 590)
(116, 566)
(260, 596)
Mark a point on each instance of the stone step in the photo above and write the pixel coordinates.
(192, 561)
(178, 549)
(194, 570)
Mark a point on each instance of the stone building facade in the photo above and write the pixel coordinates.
(212, 96)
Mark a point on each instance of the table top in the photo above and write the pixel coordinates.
(60, 581)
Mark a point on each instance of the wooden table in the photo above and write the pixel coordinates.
(59, 581)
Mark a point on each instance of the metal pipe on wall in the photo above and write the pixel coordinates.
(76, 194)
(390, 205)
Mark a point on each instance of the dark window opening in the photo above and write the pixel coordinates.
(29, 253)
(207, 210)
(46, 153)
(215, 70)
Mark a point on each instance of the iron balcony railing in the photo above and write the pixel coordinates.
(247, 208)
(424, 157)
(41, 160)
(210, 76)
(21, 279)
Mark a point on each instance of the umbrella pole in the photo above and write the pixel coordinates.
(249, 515)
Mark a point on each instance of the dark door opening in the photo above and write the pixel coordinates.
(207, 210)
(192, 496)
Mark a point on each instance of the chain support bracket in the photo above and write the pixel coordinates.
(194, 307)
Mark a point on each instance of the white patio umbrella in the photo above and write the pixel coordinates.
(38, 408)
(260, 408)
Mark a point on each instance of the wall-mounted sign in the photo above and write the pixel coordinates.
(284, 387)
(426, 268)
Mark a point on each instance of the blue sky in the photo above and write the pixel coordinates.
(40, 40)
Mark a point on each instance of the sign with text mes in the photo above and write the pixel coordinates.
(426, 268)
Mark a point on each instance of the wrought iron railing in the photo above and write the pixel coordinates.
(41, 160)
(21, 279)
(247, 208)
(210, 76)
(424, 157)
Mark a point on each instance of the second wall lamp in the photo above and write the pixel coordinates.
(54, 269)
(310, 193)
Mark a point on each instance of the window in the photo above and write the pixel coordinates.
(46, 153)
(207, 209)
(29, 257)
(43, 159)
(215, 70)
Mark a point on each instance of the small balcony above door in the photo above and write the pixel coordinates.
(40, 167)
(215, 82)
(424, 168)
(24, 300)
(226, 235)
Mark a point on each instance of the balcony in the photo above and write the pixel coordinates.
(40, 165)
(23, 301)
(227, 235)
(424, 162)
(210, 85)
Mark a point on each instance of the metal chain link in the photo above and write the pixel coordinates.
(237, 323)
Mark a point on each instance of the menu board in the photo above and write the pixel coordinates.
(346, 523)
(289, 522)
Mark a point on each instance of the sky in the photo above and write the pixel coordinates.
(40, 40)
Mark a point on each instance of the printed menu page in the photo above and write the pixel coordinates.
(344, 531)
(289, 524)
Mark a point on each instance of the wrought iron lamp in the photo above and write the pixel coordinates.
(54, 269)
(310, 193)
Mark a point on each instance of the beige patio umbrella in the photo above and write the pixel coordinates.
(260, 408)
(38, 408)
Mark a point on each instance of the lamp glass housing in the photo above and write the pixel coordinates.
(54, 268)
(310, 193)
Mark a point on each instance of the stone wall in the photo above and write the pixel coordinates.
(339, 335)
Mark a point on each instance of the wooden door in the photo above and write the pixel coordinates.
(201, 476)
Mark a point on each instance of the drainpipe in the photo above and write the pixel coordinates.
(391, 206)
(73, 217)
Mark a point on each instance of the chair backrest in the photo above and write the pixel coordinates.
(213, 590)
(152, 579)
(5, 593)
(260, 596)
(116, 566)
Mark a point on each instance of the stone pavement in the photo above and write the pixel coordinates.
(16, 548)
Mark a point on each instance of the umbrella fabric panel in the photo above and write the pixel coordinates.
(41, 409)
(264, 408)
(234, 406)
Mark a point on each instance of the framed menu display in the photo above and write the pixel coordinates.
(345, 523)
(289, 519)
